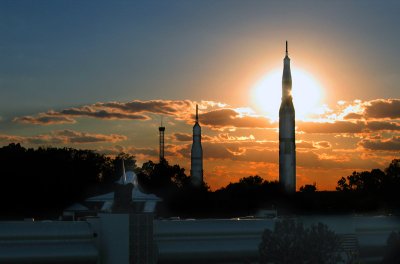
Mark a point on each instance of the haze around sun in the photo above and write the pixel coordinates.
(306, 90)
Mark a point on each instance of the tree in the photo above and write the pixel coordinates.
(252, 181)
(308, 188)
(162, 178)
(290, 242)
(371, 182)
(41, 182)
(129, 165)
(374, 181)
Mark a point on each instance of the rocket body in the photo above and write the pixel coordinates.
(196, 170)
(287, 145)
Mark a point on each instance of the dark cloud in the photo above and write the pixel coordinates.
(353, 116)
(235, 151)
(44, 119)
(339, 127)
(71, 136)
(230, 118)
(382, 126)
(392, 144)
(138, 110)
(182, 137)
(134, 110)
(99, 113)
(64, 137)
(383, 108)
(166, 107)
(149, 153)
(145, 151)
(336, 127)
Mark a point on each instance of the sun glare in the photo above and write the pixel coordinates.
(267, 92)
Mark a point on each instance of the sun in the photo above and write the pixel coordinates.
(307, 94)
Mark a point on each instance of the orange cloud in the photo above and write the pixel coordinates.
(183, 137)
(383, 108)
(367, 110)
(391, 144)
(347, 127)
(227, 117)
(44, 119)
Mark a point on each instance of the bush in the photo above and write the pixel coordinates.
(290, 242)
(392, 254)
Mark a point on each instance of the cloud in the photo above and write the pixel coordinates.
(305, 144)
(227, 117)
(64, 137)
(346, 127)
(185, 137)
(368, 110)
(166, 107)
(302, 144)
(133, 110)
(44, 119)
(235, 151)
(352, 116)
(383, 108)
(227, 137)
(382, 126)
(212, 114)
(310, 159)
(70, 136)
(391, 144)
(181, 137)
(89, 111)
(323, 144)
(335, 127)
(142, 154)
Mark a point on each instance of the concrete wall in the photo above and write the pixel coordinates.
(121, 238)
(47, 242)
(112, 237)
(236, 241)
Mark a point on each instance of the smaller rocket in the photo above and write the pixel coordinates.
(196, 170)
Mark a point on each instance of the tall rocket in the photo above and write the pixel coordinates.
(287, 146)
(196, 169)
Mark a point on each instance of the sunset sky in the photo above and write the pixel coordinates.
(100, 75)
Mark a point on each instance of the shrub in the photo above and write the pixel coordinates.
(290, 242)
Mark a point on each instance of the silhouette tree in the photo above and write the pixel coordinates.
(162, 178)
(41, 182)
(308, 188)
(374, 181)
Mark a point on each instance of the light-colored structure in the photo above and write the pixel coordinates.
(196, 169)
(146, 202)
(287, 146)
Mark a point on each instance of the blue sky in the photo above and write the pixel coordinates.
(59, 55)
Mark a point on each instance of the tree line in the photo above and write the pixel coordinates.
(43, 181)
